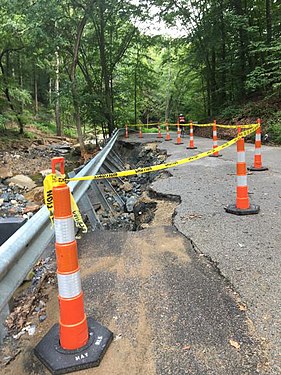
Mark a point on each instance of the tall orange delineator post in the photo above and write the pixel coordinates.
(140, 132)
(168, 136)
(258, 167)
(215, 140)
(191, 137)
(126, 131)
(159, 132)
(242, 206)
(76, 342)
(179, 142)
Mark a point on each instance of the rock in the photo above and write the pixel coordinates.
(127, 187)
(1, 201)
(45, 172)
(5, 197)
(5, 173)
(31, 207)
(161, 158)
(22, 181)
(36, 195)
(131, 203)
(114, 183)
(42, 318)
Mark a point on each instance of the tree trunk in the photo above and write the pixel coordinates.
(57, 92)
(268, 9)
(35, 93)
(50, 91)
(223, 54)
(76, 104)
(168, 89)
(104, 67)
(7, 94)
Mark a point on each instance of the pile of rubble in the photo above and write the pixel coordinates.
(21, 195)
(135, 212)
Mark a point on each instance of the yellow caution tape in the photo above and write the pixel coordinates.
(51, 181)
(248, 126)
(172, 164)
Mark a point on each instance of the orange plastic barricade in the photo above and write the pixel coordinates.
(215, 140)
(191, 137)
(126, 131)
(258, 167)
(159, 132)
(76, 342)
(168, 136)
(242, 206)
(179, 142)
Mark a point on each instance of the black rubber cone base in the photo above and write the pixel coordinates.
(181, 143)
(168, 140)
(215, 156)
(232, 209)
(261, 169)
(61, 361)
(191, 148)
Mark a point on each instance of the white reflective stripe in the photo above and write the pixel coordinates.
(191, 131)
(69, 285)
(258, 151)
(64, 229)
(191, 138)
(215, 143)
(215, 133)
(258, 137)
(241, 180)
(241, 157)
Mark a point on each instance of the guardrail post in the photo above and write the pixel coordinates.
(76, 342)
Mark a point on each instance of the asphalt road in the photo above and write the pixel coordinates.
(205, 306)
(246, 249)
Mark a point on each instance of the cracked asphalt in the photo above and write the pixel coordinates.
(197, 291)
(246, 249)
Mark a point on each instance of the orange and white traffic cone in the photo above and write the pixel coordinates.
(159, 132)
(242, 206)
(168, 136)
(140, 132)
(179, 142)
(191, 137)
(215, 140)
(258, 167)
(126, 131)
(74, 333)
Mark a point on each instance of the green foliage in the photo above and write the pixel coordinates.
(46, 127)
(3, 121)
(273, 128)
(230, 56)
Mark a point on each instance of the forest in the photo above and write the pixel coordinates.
(73, 65)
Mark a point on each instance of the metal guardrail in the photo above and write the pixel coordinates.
(22, 250)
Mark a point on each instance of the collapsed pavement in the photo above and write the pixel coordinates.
(169, 308)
